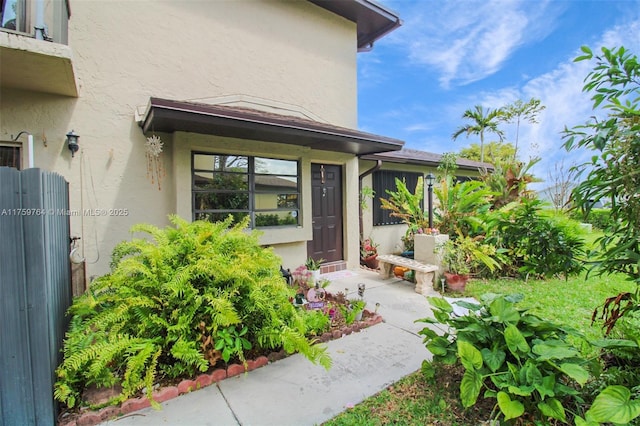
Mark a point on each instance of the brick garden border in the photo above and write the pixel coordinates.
(91, 418)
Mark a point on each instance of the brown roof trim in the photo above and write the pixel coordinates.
(164, 115)
(373, 20)
(423, 158)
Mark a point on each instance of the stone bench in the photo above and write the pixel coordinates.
(425, 273)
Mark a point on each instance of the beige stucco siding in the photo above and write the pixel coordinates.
(292, 54)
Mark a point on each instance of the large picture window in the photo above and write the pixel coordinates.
(384, 180)
(266, 189)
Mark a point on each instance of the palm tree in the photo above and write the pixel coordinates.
(483, 121)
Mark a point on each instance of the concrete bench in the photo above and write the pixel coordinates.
(425, 273)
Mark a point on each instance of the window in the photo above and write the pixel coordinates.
(11, 155)
(384, 180)
(266, 189)
(12, 15)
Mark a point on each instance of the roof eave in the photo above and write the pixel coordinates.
(423, 162)
(169, 116)
(373, 20)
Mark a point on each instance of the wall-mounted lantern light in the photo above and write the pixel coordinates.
(430, 178)
(72, 142)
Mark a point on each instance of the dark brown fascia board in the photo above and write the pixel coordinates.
(168, 116)
(373, 20)
(472, 166)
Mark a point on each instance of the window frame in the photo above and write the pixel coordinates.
(15, 145)
(252, 176)
(386, 178)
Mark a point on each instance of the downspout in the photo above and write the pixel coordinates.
(362, 176)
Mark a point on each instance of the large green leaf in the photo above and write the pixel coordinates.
(470, 387)
(546, 352)
(614, 405)
(504, 311)
(468, 305)
(576, 372)
(510, 409)
(440, 303)
(428, 333)
(438, 346)
(442, 317)
(553, 408)
(515, 341)
(614, 343)
(493, 358)
(521, 390)
(533, 376)
(546, 387)
(470, 357)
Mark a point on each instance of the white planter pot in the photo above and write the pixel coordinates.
(315, 276)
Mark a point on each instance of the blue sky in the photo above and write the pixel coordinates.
(451, 55)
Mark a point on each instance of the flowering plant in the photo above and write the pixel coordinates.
(368, 248)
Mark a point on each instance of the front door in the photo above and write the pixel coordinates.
(326, 200)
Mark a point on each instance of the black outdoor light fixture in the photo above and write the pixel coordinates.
(72, 142)
(430, 178)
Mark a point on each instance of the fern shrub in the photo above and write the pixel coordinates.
(167, 302)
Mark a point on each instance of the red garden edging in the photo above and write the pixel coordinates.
(91, 418)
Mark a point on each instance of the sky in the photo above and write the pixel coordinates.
(449, 56)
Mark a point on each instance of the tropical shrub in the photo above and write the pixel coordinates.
(508, 181)
(185, 299)
(466, 255)
(407, 206)
(527, 364)
(461, 206)
(599, 218)
(533, 243)
(611, 175)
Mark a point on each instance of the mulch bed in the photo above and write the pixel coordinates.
(171, 389)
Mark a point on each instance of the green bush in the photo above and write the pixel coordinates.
(175, 304)
(600, 218)
(534, 244)
(526, 363)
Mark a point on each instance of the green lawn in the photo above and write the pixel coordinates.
(412, 401)
(569, 302)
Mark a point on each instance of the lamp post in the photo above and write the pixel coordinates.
(430, 178)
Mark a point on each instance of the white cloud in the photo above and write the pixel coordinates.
(418, 127)
(470, 40)
(566, 105)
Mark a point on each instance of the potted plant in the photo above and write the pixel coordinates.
(313, 266)
(357, 307)
(462, 257)
(369, 253)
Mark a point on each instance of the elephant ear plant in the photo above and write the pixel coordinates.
(525, 363)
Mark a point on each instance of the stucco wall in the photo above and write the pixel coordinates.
(289, 53)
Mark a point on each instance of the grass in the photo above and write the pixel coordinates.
(413, 401)
(570, 302)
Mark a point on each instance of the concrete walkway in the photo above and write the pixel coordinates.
(293, 391)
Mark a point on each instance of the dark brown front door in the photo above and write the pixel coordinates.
(326, 200)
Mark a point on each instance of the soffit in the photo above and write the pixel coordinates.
(164, 115)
